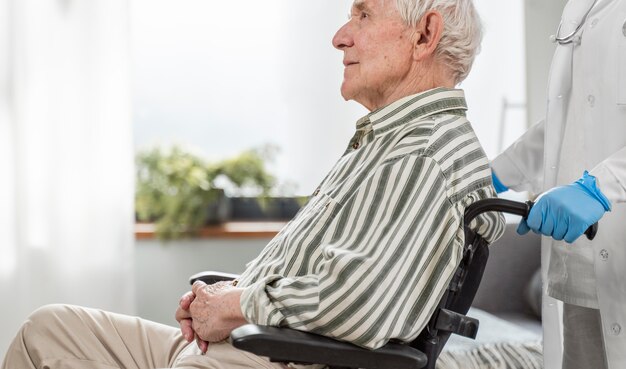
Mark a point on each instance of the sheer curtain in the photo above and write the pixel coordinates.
(66, 174)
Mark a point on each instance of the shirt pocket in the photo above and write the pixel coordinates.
(317, 213)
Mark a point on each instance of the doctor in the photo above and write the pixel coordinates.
(584, 130)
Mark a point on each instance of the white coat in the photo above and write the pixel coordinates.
(588, 78)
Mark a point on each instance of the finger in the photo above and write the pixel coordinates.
(186, 329)
(535, 219)
(203, 345)
(182, 314)
(573, 233)
(522, 228)
(186, 300)
(194, 307)
(560, 230)
(197, 286)
(547, 225)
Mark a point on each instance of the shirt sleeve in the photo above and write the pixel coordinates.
(611, 175)
(383, 264)
(520, 166)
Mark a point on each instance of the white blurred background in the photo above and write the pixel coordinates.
(273, 76)
(84, 84)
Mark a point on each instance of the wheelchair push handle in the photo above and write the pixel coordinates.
(511, 207)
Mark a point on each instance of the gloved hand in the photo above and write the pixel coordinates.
(499, 186)
(565, 212)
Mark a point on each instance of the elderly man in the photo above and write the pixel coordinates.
(368, 258)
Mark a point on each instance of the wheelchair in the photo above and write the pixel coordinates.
(292, 346)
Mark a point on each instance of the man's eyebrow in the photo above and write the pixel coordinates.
(359, 4)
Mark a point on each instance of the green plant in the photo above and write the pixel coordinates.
(175, 187)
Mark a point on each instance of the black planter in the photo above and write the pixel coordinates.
(220, 210)
(272, 208)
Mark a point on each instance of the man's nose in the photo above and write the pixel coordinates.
(343, 38)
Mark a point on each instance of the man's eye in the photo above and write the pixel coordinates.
(364, 15)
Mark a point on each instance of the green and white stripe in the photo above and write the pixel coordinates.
(369, 256)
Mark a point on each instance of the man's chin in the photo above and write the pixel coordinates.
(346, 92)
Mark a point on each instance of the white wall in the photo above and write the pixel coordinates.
(498, 75)
(542, 18)
(163, 269)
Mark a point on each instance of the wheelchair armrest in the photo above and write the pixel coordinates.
(290, 345)
(456, 323)
(210, 277)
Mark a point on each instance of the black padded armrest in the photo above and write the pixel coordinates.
(290, 345)
(210, 277)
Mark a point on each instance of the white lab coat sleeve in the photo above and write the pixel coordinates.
(611, 175)
(520, 166)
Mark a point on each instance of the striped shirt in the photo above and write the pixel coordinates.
(369, 256)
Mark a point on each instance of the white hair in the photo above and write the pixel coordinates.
(462, 33)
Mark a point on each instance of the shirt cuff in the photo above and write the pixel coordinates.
(257, 306)
(510, 175)
(609, 184)
(590, 183)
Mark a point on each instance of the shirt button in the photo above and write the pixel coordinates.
(594, 22)
(604, 254)
(316, 192)
(616, 329)
(356, 145)
(592, 100)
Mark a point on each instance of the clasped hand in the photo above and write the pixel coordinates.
(208, 313)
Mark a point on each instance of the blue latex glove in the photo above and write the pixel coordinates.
(497, 184)
(566, 212)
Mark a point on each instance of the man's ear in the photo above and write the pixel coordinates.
(428, 32)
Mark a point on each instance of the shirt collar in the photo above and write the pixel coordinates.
(412, 108)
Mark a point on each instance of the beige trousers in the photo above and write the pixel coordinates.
(72, 337)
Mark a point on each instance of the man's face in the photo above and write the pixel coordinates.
(377, 53)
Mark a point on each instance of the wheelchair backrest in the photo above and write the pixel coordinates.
(457, 298)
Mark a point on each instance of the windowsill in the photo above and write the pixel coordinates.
(146, 231)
